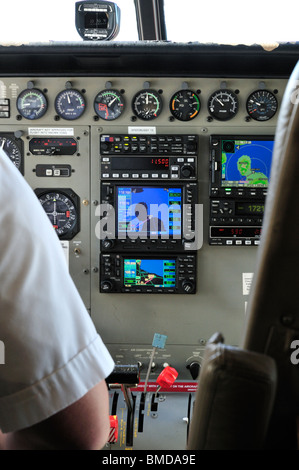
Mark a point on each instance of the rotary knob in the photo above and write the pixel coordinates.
(106, 286)
(107, 244)
(188, 286)
(187, 171)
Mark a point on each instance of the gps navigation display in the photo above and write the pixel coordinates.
(149, 273)
(149, 211)
(246, 163)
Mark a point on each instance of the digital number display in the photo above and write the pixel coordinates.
(249, 208)
(240, 232)
(144, 163)
(156, 273)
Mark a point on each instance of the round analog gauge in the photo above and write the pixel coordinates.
(185, 105)
(261, 105)
(32, 104)
(223, 105)
(147, 104)
(70, 104)
(109, 104)
(13, 149)
(62, 211)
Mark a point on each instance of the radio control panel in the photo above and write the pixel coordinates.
(149, 157)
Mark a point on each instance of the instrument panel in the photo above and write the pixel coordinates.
(110, 102)
(90, 145)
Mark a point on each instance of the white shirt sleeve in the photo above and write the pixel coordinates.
(53, 354)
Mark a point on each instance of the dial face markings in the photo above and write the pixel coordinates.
(70, 104)
(185, 105)
(13, 149)
(61, 211)
(147, 104)
(109, 104)
(223, 105)
(261, 105)
(32, 104)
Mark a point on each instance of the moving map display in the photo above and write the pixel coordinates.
(150, 272)
(149, 211)
(246, 163)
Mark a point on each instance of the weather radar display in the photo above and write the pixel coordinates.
(246, 163)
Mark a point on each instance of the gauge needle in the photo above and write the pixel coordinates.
(111, 102)
(3, 142)
(219, 101)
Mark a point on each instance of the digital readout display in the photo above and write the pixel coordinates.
(240, 232)
(144, 163)
(249, 208)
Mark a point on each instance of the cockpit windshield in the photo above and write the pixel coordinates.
(232, 22)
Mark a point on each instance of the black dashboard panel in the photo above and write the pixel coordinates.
(134, 59)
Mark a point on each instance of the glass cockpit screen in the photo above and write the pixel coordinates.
(149, 211)
(246, 163)
(156, 273)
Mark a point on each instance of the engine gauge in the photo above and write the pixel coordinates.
(109, 104)
(32, 103)
(185, 105)
(70, 104)
(62, 208)
(147, 104)
(13, 148)
(261, 105)
(223, 105)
